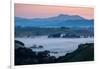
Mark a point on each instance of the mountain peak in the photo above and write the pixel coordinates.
(62, 15)
(68, 17)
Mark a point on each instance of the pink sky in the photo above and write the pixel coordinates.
(43, 11)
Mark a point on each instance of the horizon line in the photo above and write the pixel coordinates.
(52, 16)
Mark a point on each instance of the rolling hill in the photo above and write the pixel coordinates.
(56, 21)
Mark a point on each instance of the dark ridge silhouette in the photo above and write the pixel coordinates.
(19, 42)
(25, 56)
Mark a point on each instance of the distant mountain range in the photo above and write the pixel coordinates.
(56, 21)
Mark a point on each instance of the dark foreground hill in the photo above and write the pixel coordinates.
(25, 56)
(85, 52)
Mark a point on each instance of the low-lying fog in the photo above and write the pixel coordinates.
(59, 45)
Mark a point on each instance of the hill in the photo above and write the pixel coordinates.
(55, 21)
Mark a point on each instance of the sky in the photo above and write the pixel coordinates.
(44, 11)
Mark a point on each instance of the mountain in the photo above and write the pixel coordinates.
(56, 21)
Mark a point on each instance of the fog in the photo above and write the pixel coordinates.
(59, 45)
